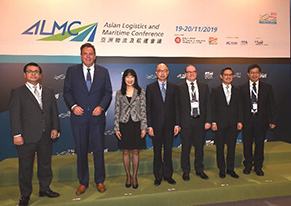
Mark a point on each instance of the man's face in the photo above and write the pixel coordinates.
(227, 77)
(88, 56)
(162, 72)
(254, 74)
(32, 75)
(191, 73)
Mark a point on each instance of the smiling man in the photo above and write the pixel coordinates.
(34, 124)
(227, 117)
(260, 113)
(88, 93)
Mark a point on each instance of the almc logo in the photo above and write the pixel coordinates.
(66, 29)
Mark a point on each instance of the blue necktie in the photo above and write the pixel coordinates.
(88, 80)
(163, 92)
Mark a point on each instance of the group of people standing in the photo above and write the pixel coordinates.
(164, 110)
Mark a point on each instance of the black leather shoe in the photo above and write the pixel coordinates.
(170, 180)
(186, 176)
(247, 171)
(232, 173)
(222, 174)
(259, 172)
(202, 175)
(158, 181)
(49, 193)
(23, 201)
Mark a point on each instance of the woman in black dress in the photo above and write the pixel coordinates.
(130, 122)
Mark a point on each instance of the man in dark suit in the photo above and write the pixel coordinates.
(162, 115)
(259, 114)
(227, 116)
(34, 124)
(194, 119)
(88, 93)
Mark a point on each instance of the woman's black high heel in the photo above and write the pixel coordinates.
(128, 185)
(135, 186)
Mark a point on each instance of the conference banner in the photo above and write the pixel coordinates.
(164, 28)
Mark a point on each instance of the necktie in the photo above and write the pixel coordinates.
(88, 80)
(37, 94)
(254, 97)
(163, 90)
(193, 94)
(227, 94)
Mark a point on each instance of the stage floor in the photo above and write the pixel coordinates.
(276, 182)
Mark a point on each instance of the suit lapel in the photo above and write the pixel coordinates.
(81, 76)
(158, 90)
(31, 96)
(223, 95)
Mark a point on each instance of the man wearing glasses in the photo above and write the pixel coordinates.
(227, 116)
(34, 124)
(260, 113)
(194, 119)
(162, 116)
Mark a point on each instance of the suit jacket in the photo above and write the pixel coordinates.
(161, 113)
(26, 116)
(136, 109)
(185, 107)
(76, 92)
(226, 114)
(266, 104)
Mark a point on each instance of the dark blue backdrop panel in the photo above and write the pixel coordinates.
(53, 75)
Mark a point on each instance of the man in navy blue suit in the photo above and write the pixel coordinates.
(88, 93)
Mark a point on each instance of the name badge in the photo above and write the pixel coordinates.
(194, 104)
(255, 106)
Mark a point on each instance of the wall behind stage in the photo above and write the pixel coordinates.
(275, 72)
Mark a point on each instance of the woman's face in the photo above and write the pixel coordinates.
(129, 80)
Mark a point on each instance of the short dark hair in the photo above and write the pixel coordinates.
(32, 64)
(252, 66)
(87, 45)
(227, 68)
(188, 66)
(123, 84)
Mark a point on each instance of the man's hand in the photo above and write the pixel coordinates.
(239, 126)
(151, 132)
(97, 111)
(176, 130)
(54, 134)
(18, 140)
(207, 126)
(77, 110)
(272, 126)
(214, 127)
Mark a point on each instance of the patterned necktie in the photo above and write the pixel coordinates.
(254, 97)
(193, 93)
(88, 80)
(163, 90)
(227, 94)
(37, 94)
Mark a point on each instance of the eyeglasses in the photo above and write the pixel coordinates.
(191, 72)
(34, 72)
(228, 75)
(161, 71)
(254, 73)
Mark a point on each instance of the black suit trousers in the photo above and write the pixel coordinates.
(254, 132)
(163, 167)
(226, 136)
(26, 154)
(193, 134)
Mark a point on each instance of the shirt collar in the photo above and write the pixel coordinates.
(85, 67)
(31, 86)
